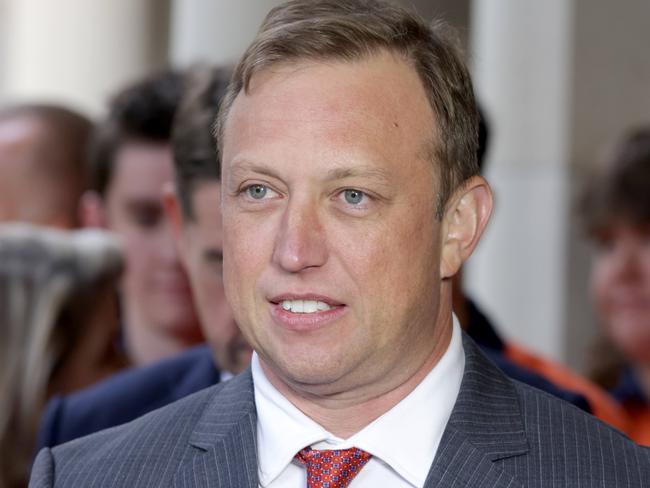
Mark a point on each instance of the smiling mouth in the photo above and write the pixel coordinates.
(305, 306)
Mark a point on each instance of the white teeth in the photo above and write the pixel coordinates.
(305, 306)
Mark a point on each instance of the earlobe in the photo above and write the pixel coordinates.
(465, 220)
(91, 210)
(172, 209)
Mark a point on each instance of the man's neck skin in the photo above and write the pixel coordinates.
(459, 300)
(346, 413)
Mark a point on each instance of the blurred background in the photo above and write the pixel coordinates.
(559, 80)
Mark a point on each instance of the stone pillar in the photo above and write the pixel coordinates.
(521, 68)
(79, 51)
(559, 79)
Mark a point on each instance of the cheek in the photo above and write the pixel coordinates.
(645, 274)
(139, 262)
(210, 298)
(392, 266)
(247, 246)
(600, 285)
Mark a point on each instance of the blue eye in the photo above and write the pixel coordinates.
(257, 192)
(353, 197)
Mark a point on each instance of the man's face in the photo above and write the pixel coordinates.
(620, 284)
(331, 246)
(156, 292)
(202, 253)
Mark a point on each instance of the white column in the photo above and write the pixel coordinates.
(3, 47)
(521, 71)
(214, 31)
(79, 51)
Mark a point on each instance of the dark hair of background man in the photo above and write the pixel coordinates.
(142, 112)
(193, 142)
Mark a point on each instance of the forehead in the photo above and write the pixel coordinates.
(141, 168)
(376, 104)
(19, 143)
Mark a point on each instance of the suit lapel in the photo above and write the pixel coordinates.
(222, 448)
(485, 426)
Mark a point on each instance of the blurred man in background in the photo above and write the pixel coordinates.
(42, 164)
(194, 211)
(131, 161)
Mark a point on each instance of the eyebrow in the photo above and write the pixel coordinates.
(357, 172)
(334, 174)
(245, 166)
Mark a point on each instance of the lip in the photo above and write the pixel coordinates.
(305, 322)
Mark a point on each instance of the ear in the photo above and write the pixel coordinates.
(174, 214)
(465, 219)
(92, 211)
(172, 208)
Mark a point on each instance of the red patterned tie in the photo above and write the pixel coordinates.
(332, 468)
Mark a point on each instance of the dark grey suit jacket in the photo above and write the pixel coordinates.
(501, 434)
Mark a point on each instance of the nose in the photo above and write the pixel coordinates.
(301, 243)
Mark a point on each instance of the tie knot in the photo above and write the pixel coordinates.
(332, 468)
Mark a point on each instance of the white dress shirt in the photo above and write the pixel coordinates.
(403, 441)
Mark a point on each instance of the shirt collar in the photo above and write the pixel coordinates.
(406, 437)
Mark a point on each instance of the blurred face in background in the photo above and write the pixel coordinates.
(200, 242)
(620, 285)
(155, 289)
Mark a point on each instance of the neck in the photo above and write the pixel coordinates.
(145, 345)
(345, 414)
(643, 373)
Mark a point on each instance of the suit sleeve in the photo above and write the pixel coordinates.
(43, 470)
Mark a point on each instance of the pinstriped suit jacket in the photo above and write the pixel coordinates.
(501, 434)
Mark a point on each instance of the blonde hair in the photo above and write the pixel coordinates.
(43, 272)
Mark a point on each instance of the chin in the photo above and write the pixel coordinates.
(314, 371)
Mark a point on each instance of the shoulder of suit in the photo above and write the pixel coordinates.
(170, 424)
(151, 377)
(548, 416)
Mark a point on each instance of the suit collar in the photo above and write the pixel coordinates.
(223, 442)
(485, 426)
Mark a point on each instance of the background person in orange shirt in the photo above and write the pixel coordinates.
(616, 210)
